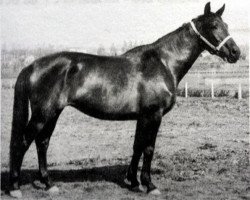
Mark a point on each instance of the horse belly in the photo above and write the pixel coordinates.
(107, 101)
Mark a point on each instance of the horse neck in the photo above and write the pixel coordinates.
(179, 50)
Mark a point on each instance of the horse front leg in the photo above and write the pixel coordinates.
(137, 152)
(152, 124)
(146, 132)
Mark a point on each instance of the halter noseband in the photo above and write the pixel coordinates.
(216, 49)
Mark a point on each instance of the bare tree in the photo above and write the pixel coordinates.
(101, 50)
(113, 50)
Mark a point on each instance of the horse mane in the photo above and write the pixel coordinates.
(166, 38)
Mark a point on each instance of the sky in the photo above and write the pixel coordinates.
(89, 25)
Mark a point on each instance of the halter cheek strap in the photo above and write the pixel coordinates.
(207, 42)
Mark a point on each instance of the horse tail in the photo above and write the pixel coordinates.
(21, 105)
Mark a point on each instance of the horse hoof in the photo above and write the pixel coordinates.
(127, 182)
(155, 192)
(16, 194)
(53, 190)
(138, 188)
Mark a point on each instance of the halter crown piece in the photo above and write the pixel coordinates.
(207, 42)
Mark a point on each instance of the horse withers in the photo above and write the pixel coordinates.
(138, 85)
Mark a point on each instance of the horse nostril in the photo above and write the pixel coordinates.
(234, 51)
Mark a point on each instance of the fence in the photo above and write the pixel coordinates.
(216, 83)
(238, 94)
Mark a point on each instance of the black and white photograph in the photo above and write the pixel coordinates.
(125, 99)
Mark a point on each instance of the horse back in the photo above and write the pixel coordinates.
(96, 85)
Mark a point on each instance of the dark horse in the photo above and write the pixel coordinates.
(138, 85)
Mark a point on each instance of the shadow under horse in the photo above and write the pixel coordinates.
(139, 85)
(113, 174)
(105, 173)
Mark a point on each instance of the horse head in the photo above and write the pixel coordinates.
(214, 35)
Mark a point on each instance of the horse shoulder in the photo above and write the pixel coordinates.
(158, 86)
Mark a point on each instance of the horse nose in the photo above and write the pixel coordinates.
(235, 52)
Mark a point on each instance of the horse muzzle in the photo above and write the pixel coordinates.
(230, 53)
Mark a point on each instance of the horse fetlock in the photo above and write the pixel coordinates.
(131, 178)
(134, 183)
(14, 181)
(148, 184)
(129, 174)
(44, 177)
(145, 179)
(135, 187)
(138, 188)
(46, 181)
(127, 181)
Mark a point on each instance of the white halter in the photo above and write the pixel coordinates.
(207, 42)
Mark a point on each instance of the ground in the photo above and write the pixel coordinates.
(202, 152)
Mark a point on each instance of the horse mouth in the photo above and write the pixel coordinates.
(230, 59)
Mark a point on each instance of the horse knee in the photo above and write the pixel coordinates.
(157, 117)
(42, 144)
(149, 151)
(19, 146)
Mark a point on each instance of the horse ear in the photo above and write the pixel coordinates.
(207, 9)
(221, 10)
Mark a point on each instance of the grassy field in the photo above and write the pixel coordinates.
(202, 152)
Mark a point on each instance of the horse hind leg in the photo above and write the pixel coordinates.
(42, 143)
(20, 143)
